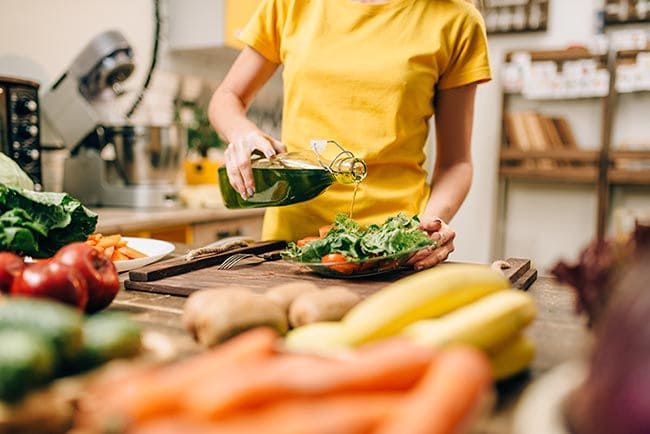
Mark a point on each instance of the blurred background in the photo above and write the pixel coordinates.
(561, 138)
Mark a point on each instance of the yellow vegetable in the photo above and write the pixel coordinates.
(427, 294)
(487, 323)
(317, 338)
(513, 358)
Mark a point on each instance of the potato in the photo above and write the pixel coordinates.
(214, 315)
(283, 295)
(330, 304)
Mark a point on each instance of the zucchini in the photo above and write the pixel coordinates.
(107, 336)
(59, 324)
(27, 360)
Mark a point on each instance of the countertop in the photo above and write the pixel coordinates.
(559, 336)
(125, 220)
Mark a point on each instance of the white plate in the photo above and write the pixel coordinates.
(154, 249)
(541, 408)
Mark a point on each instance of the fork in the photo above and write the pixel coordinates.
(237, 258)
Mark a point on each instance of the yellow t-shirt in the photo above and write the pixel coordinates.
(365, 76)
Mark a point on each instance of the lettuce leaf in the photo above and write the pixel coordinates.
(398, 234)
(12, 175)
(52, 219)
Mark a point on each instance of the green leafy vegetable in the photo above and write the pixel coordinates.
(12, 175)
(39, 224)
(397, 234)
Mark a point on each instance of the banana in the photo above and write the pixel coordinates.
(487, 323)
(317, 338)
(427, 294)
(513, 358)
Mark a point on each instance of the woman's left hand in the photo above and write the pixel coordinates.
(443, 235)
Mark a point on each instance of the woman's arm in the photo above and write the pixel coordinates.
(227, 114)
(452, 176)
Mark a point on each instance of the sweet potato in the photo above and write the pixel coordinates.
(447, 398)
(388, 366)
(283, 295)
(215, 315)
(330, 304)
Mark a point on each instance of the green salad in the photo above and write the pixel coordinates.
(346, 237)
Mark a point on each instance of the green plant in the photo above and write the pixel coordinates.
(201, 137)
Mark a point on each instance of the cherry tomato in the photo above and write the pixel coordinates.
(324, 230)
(306, 240)
(340, 263)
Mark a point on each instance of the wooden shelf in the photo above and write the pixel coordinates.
(541, 29)
(563, 98)
(575, 53)
(630, 154)
(629, 177)
(554, 154)
(617, 22)
(579, 175)
(631, 54)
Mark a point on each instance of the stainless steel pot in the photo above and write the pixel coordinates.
(143, 155)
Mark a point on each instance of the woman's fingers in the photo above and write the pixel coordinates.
(238, 159)
(277, 145)
(232, 169)
(444, 235)
(432, 225)
(422, 254)
(243, 159)
(436, 257)
(255, 141)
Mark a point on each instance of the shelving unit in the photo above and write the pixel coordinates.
(596, 167)
(621, 12)
(515, 16)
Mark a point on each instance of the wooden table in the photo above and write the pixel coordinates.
(558, 333)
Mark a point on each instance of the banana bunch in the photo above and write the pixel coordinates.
(449, 305)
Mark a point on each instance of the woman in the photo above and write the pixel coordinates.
(368, 74)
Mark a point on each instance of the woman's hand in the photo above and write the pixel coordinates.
(443, 235)
(238, 158)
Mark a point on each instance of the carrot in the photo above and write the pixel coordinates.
(338, 414)
(131, 253)
(446, 398)
(119, 256)
(157, 393)
(109, 241)
(395, 365)
(323, 230)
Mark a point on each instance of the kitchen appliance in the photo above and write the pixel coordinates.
(111, 163)
(20, 125)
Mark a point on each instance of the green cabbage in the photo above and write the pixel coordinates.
(12, 175)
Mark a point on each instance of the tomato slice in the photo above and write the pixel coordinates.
(323, 230)
(303, 242)
(339, 262)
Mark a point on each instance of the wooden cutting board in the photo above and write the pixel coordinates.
(263, 276)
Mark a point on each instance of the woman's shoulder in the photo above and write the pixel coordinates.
(456, 10)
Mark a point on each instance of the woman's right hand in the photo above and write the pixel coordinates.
(238, 158)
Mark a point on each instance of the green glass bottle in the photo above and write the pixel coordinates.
(285, 179)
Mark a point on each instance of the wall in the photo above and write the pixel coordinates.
(544, 222)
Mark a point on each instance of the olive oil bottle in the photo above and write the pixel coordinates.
(285, 179)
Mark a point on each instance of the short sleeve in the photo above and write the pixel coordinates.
(263, 31)
(469, 60)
